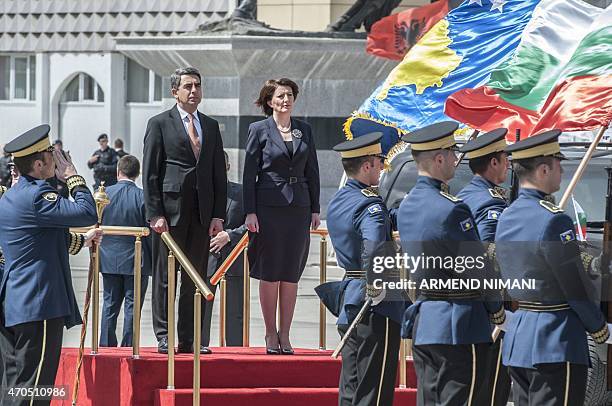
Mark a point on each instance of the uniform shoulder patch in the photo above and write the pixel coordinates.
(375, 208)
(370, 192)
(567, 236)
(466, 225)
(2, 190)
(493, 214)
(496, 193)
(50, 196)
(550, 207)
(450, 197)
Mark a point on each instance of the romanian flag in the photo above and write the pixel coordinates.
(458, 52)
(393, 36)
(560, 76)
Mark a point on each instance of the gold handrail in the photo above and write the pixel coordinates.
(231, 258)
(117, 230)
(186, 265)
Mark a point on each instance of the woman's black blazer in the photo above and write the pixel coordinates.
(271, 177)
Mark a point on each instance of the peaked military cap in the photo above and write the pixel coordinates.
(432, 137)
(543, 144)
(365, 145)
(30, 142)
(488, 143)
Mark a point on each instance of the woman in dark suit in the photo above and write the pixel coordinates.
(281, 200)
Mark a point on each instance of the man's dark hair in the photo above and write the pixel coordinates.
(267, 92)
(129, 166)
(479, 165)
(102, 136)
(175, 78)
(524, 168)
(118, 143)
(25, 164)
(352, 165)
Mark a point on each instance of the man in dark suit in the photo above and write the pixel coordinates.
(185, 188)
(126, 208)
(220, 247)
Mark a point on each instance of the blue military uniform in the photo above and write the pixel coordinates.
(486, 202)
(360, 228)
(35, 286)
(126, 208)
(545, 343)
(450, 327)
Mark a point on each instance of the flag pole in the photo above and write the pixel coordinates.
(583, 164)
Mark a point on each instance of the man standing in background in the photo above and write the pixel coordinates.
(126, 208)
(220, 247)
(119, 148)
(104, 163)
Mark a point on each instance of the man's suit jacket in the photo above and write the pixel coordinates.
(174, 182)
(234, 225)
(273, 178)
(126, 208)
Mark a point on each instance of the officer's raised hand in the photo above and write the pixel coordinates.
(64, 168)
(93, 236)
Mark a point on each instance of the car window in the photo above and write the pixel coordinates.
(590, 192)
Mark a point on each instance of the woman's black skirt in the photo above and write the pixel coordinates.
(280, 250)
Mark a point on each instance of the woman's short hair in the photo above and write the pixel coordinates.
(268, 89)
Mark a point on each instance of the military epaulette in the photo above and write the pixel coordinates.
(450, 197)
(2, 190)
(75, 181)
(495, 192)
(370, 192)
(75, 243)
(550, 207)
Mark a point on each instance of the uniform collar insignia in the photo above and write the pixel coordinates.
(370, 191)
(495, 192)
(550, 207)
(450, 197)
(444, 188)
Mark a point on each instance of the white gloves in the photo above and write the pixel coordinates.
(506, 323)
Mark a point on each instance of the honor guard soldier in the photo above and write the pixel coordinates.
(37, 298)
(545, 344)
(485, 197)
(360, 228)
(450, 328)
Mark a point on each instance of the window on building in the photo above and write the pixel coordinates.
(143, 85)
(17, 77)
(83, 88)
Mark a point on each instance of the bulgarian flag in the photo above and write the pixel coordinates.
(581, 220)
(560, 75)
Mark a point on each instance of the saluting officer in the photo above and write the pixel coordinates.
(36, 288)
(485, 197)
(545, 344)
(360, 228)
(450, 328)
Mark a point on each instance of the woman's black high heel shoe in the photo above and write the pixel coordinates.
(272, 350)
(286, 350)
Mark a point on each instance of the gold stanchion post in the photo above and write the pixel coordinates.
(197, 341)
(137, 293)
(246, 305)
(222, 312)
(322, 279)
(171, 293)
(102, 200)
(402, 352)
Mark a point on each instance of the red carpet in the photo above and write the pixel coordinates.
(230, 376)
